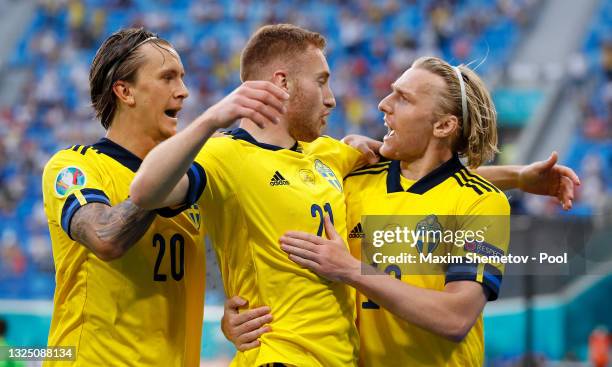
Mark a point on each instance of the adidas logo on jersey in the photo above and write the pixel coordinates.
(357, 232)
(278, 180)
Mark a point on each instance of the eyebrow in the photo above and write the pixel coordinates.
(172, 71)
(401, 91)
(323, 74)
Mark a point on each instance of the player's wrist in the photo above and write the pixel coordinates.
(209, 121)
(518, 177)
(351, 271)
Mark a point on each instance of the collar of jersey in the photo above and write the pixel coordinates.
(431, 180)
(242, 134)
(118, 153)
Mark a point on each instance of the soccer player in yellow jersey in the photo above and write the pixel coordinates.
(260, 183)
(129, 283)
(434, 114)
(261, 180)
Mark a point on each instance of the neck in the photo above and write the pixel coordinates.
(271, 134)
(129, 136)
(417, 168)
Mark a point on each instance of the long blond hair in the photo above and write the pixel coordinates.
(477, 137)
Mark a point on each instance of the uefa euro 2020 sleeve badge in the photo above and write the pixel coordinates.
(69, 179)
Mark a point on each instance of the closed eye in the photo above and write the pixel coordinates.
(405, 97)
(169, 75)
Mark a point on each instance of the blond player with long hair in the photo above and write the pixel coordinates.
(435, 114)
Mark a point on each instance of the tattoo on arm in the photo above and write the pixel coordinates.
(121, 225)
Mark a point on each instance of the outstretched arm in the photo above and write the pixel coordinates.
(161, 180)
(110, 231)
(540, 178)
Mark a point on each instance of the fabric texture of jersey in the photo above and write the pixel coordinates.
(450, 190)
(254, 193)
(144, 309)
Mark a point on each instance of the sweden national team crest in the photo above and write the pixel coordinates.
(328, 174)
(430, 234)
(68, 179)
(194, 214)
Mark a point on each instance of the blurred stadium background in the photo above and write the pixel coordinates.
(548, 63)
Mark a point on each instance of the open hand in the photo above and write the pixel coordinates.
(328, 257)
(549, 178)
(260, 101)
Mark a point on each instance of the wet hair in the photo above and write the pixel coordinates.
(477, 138)
(117, 59)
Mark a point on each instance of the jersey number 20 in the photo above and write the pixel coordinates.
(177, 249)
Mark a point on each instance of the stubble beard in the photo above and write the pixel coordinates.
(302, 125)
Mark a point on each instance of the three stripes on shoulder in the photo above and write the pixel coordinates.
(83, 148)
(77, 148)
(465, 178)
(371, 169)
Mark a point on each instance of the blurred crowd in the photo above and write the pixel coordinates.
(591, 80)
(370, 42)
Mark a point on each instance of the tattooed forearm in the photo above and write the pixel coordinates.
(110, 231)
(125, 224)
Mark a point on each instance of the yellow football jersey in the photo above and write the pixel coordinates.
(253, 194)
(450, 191)
(144, 309)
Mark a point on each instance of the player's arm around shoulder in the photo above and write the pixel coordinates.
(348, 154)
(368, 147)
(74, 198)
(161, 179)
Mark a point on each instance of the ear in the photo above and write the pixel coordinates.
(123, 91)
(446, 126)
(279, 78)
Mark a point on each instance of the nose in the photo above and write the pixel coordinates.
(384, 105)
(328, 98)
(182, 92)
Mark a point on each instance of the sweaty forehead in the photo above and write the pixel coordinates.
(312, 60)
(420, 82)
(160, 55)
